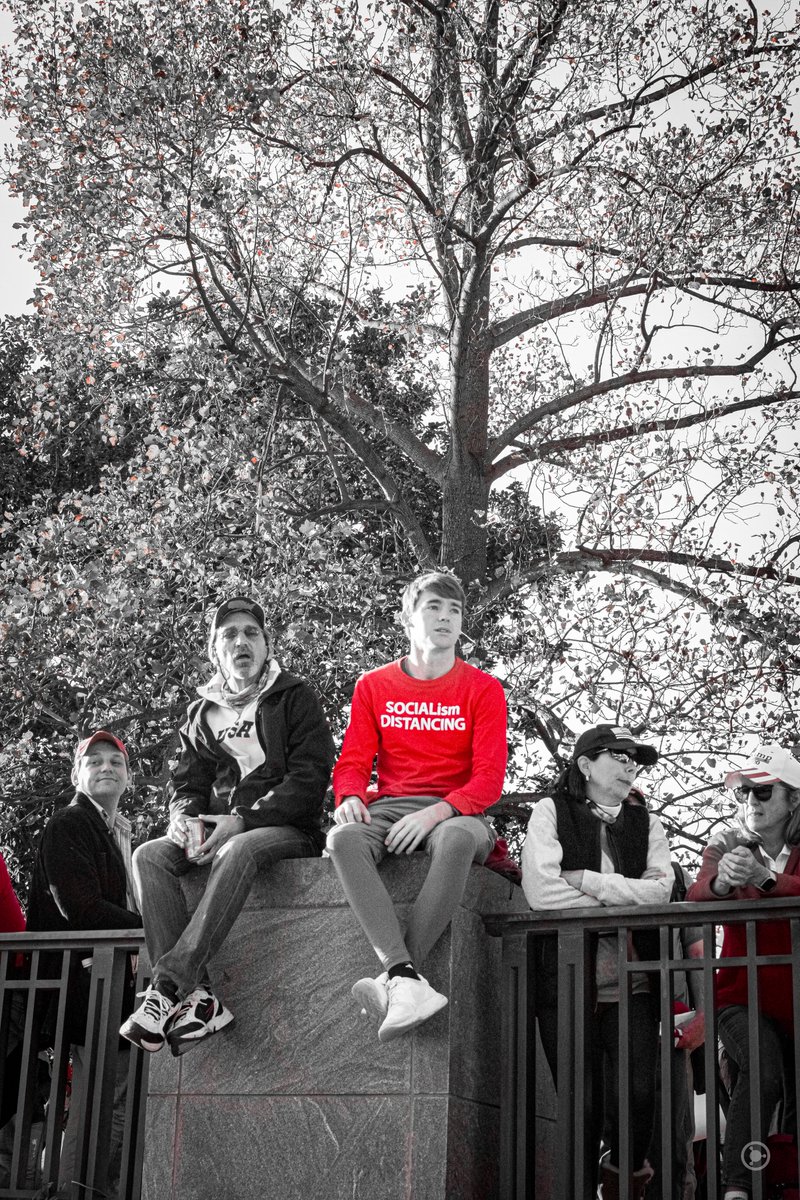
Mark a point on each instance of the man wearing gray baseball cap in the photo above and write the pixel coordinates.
(255, 758)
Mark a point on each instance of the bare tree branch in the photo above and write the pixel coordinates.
(549, 449)
(619, 561)
(604, 387)
(512, 327)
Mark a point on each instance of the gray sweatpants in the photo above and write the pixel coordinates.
(357, 848)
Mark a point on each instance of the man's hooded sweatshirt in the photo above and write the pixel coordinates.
(267, 761)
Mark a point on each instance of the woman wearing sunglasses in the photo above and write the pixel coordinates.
(587, 847)
(758, 858)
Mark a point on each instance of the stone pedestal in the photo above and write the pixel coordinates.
(298, 1100)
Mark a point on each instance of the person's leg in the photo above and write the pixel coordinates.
(158, 867)
(400, 997)
(355, 850)
(230, 877)
(453, 846)
(69, 1144)
(118, 1123)
(733, 1033)
(690, 1174)
(682, 1127)
(179, 1005)
(682, 1124)
(69, 1148)
(642, 1037)
(547, 1020)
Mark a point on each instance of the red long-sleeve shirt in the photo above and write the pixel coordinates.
(11, 916)
(772, 937)
(442, 737)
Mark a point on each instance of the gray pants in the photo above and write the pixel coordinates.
(356, 849)
(180, 946)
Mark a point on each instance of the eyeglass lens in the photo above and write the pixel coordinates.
(761, 792)
(622, 756)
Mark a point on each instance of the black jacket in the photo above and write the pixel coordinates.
(288, 788)
(79, 883)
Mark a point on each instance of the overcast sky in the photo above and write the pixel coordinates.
(17, 276)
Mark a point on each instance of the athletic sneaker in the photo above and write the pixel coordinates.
(147, 1026)
(372, 995)
(411, 1001)
(200, 1015)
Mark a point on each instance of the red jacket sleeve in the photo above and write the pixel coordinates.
(353, 769)
(701, 888)
(12, 919)
(489, 752)
(787, 883)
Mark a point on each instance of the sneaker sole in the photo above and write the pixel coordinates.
(181, 1042)
(139, 1037)
(364, 994)
(423, 1013)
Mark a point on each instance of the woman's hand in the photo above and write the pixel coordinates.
(738, 868)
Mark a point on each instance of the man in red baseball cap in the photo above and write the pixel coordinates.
(80, 882)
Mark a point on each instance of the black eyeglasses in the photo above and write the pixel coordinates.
(762, 792)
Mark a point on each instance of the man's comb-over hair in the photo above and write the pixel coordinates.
(438, 582)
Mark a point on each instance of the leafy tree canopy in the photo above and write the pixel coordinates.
(330, 292)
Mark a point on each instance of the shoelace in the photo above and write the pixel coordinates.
(155, 1005)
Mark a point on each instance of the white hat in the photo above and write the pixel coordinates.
(769, 764)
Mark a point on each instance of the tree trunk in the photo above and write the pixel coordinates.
(465, 495)
(465, 491)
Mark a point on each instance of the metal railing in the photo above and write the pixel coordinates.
(526, 1170)
(35, 979)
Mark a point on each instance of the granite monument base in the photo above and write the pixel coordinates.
(297, 1100)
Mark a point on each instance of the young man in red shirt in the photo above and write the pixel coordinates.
(437, 727)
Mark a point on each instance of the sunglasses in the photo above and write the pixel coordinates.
(762, 792)
(622, 756)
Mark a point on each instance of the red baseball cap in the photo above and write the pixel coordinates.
(100, 735)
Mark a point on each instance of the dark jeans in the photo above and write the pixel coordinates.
(776, 1054)
(179, 944)
(681, 1151)
(642, 1036)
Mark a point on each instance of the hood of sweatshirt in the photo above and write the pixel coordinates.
(216, 691)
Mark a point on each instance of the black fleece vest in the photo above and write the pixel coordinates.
(579, 834)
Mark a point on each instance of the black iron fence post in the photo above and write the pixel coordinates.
(518, 1068)
(572, 1173)
(35, 982)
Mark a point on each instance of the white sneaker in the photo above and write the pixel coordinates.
(147, 1026)
(411, 1001)
(200, 1015)
(372, 995)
